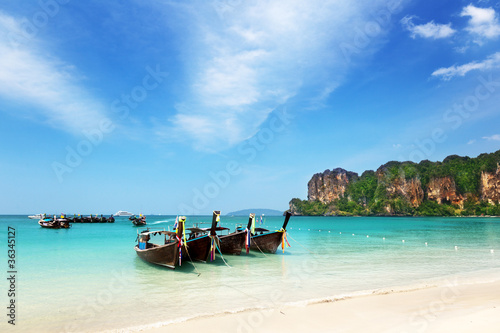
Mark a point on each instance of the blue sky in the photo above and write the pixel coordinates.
(183, 107)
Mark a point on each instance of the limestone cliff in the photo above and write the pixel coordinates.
(490, 186)
(400, 187)
(457, 185)
(444, 190)
(329, 186)
(294, 209)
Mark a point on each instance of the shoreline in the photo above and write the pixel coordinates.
(462, 308)
(466, 306)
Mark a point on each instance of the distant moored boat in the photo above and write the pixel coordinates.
(138, 221)
(54, 223)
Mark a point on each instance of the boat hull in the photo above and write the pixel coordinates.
(267, 243)
(139, 223)
(232, 243)
(162, 255)
(198, 249)
(49, 225)
(54, 224)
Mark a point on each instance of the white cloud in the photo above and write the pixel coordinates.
(29, 77)
(483, 22)
(247, 58)
(471, 142)
(461, 49)
(446, 73)
(428, 30)
(396, 145)
(494, 137)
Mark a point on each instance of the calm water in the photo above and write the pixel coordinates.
(89, 278)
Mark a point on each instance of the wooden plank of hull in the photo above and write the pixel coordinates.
(266, 242)
(232, 243)
(163, 255)
(198, 249)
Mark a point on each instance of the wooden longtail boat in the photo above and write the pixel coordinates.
(268, 241)
(164, 255)
(77, 219)
(138, 221)
(54, 223)
(233, 242)
(89, 219)
(200, 243)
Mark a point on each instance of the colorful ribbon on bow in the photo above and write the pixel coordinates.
(284, 240)
(213, 247)
(248, 239)
(180, 240)
(179, 245)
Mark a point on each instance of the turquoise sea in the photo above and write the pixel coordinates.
(88, 278)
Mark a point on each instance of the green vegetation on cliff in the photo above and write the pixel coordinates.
(448, 188)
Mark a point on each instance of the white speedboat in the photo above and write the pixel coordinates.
(37, 216)
(122, 213)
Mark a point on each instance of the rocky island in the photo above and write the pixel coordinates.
(457, 186)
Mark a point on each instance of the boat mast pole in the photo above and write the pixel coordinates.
(180, 226)
(215, 214)
(287, 217)
(249, 225)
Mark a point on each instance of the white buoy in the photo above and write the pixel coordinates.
(308, 229)
(299, 228)
(328, 231)
(340, 233)
(353, 234)
(383, 238)
(403, 240)
(319, 230)
(425, 243)
(492, 251)
(367, 236)
(456, 247)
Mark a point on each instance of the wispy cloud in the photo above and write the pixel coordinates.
(29, 77)
(471, 142)
(483, 22)
(256, 57)
(494, 137)
(446, 73)
(428, 30)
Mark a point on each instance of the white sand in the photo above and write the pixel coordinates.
(463, 308)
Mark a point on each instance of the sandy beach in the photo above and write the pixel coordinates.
(453, 308)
